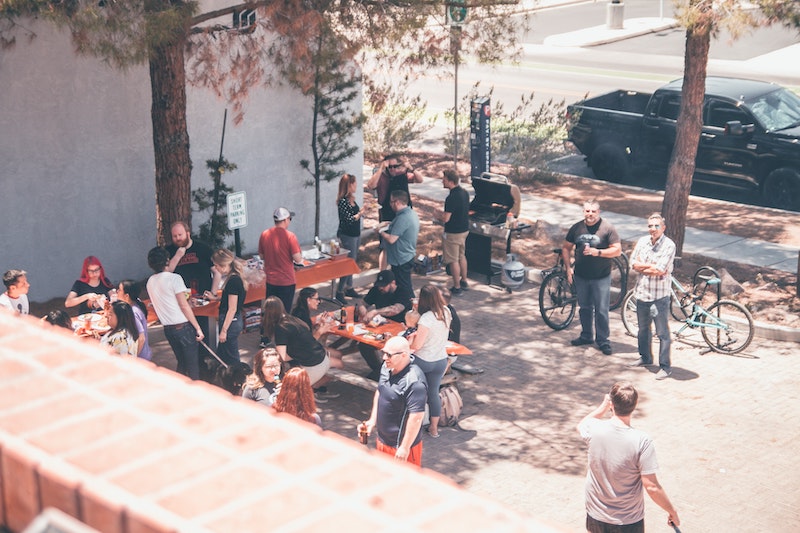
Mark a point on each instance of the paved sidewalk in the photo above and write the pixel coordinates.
(706, 243)
(724, 426)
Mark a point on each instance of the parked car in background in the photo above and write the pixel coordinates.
(750, 138)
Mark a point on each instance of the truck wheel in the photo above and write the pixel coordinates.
(609, 162)
(782, 189)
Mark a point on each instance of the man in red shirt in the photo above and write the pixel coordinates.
(279, 249)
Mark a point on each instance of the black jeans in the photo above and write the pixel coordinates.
(182, 338)
(285, 293)
(596, 526)
(402, 275)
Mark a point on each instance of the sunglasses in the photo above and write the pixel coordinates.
(653, 226)
(390, 355)
(92, 270)
(395, 167)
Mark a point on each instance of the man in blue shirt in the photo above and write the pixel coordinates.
(400, 236)
(399, 404)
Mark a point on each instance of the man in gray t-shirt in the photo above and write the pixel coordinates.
(622, 463)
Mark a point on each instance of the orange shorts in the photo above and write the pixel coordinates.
(414, 455)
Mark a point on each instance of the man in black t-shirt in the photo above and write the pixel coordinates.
(388, 300)
(595, 242)
(455, 216)
(191, 260)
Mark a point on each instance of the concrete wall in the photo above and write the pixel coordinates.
(77, 172)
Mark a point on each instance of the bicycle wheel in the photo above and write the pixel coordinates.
(557, 301)
(727, 327)
(619, 281)
(629, 318)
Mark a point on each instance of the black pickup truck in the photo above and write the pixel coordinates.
(750, 138)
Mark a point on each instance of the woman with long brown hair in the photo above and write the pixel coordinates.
(295, 342)
(349, 231)
(296, 397)
(429, 345)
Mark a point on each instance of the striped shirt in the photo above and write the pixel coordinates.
(661, 256)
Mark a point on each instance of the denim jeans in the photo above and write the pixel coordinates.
(228, 351)
(434, 372)
(352, 244)
(402, 275)
(661, 320)
(182, 338)
(593, 297)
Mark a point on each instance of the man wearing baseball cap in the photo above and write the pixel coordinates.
(279, 249)
(388, 300)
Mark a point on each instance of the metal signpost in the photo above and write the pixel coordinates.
(456, 15)
(237, 216)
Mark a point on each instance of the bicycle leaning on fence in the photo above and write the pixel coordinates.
(557, 297)
(726, 326)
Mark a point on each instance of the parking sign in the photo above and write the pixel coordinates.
(237, 210)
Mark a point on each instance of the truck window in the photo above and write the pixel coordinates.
(777, 110)
(670, 107)
(720, 113)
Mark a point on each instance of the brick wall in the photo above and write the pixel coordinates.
(127, 447)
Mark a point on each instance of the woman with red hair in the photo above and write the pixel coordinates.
(296, 396)
(90, 291)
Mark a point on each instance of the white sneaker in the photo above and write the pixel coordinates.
(663, 374)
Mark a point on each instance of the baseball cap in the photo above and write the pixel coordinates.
(282, 214)
(384, 278)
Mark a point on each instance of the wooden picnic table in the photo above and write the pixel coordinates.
(372, 336)
(320, 271)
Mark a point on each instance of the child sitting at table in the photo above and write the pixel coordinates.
(411, 321)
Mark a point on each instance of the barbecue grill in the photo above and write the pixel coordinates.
(494, 198)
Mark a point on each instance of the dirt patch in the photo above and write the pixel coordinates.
(769, 294)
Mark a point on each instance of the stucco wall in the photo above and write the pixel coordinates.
(77, 174)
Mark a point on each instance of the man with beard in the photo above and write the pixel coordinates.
(394, 174)
(191, 260)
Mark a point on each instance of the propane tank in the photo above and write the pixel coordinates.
(513, 274)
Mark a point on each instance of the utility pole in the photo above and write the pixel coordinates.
(456, 15)
(455, 45)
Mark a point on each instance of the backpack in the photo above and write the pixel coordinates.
(451, 405)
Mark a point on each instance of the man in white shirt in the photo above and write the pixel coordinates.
(16, 295)
(169, 294)
(622, 466)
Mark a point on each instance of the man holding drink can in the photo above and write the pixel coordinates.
(399, 404)
(595, 242)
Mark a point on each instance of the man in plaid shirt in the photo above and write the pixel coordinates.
(652, 259)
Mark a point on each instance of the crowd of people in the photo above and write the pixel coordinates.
(290, 370)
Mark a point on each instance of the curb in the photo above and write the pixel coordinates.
(763, 330)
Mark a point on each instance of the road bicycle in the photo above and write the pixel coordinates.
(726, 326)
(557, 298)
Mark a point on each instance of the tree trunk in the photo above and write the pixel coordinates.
(689, 127)
(173, 164)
